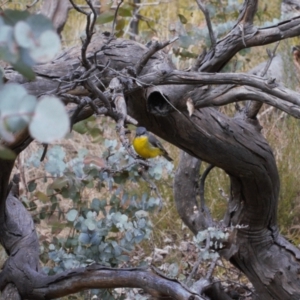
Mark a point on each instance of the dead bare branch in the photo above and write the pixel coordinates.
(96, 276)
(235, 94)
(247, 12)
(251, 36)
(115, 18)
(253, 107)
(154, 47)
(32, 4)
(287, 99)
(208, 22)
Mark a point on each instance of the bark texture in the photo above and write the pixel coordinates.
(234, 144)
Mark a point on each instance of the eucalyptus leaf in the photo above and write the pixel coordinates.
(24, 35)
(12, 17)
(41, 196)
(182, 19)
(84, 238)
(105, 17)
(31, 185)
(39, 24)
(50, 121)
(91, 224)
(125, 11)
(7, 51)
(56, 167)
(48, 45)
(96, 205)
(59, 183)
(24, 69)
(71, 215)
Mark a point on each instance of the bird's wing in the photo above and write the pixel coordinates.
(156, 143)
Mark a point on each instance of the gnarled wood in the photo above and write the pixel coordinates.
(233, 144)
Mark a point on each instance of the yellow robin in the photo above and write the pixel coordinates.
(147, 145)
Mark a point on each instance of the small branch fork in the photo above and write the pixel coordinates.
(208, 23)
(115, 18)
(255, 88)
(247, 13)
(116, 86)
(89, 68)
(125, 80)
(155, 47)
(89, 30)
(253, 107)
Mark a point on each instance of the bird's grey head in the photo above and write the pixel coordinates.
(141, 131)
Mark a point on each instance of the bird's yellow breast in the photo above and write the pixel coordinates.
(144, 149)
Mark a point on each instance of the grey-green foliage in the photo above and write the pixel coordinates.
(47, 118)
(25, 40)
(106, 228)
(215, 236)
(124, 15)
(223, 17)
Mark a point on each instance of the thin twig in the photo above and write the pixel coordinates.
(76, 7)
(253, 107)
(241, 27)
(204, 208)
(208, 22)
(211, 268)
(202, 184)
(99, 94)
(194, 270)
(153, 187)
(197, 264)
(32, 4)
(155, 47)
(44, 152)
(199, 60)
(89, 30)
(271, 55)
(115, 18)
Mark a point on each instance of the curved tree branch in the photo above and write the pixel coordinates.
(208, 22)
(185, 192)
(263, 90)
(233, 42)
(252, 108)
(233, 94)
(96, 276)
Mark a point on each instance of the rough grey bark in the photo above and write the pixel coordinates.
(234, 144)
